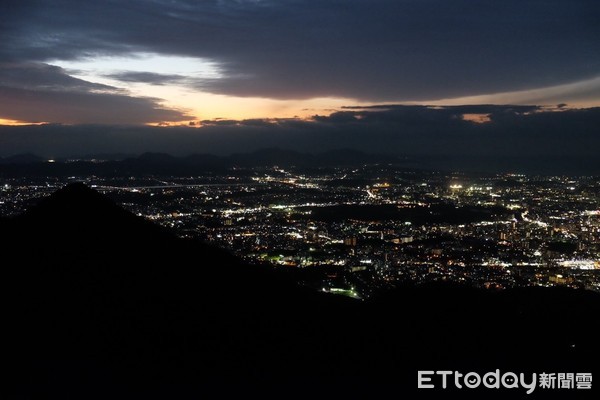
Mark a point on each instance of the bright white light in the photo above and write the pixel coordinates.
(99, 67)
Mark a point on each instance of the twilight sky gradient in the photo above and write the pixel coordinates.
(181, 62)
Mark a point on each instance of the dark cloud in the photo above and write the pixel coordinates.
(220, 122)
(38, 92)
(462, 109)
(414, 131)
(40, 76)
(147, 77)
(379, 50)
(82, 107)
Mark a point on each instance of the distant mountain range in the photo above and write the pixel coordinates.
(98, 303)
(195, 162)
(21, 159)
(162, 163)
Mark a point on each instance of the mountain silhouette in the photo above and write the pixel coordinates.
(20, 159)
(165, 164)
(101, 303)
(76, 205)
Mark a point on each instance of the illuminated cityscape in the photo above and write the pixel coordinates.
(360, 230)
(300, 199)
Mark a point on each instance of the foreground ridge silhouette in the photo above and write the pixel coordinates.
(100, 303)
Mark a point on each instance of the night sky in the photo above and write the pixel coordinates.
(402, 76)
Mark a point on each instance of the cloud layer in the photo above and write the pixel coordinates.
(38, 92)
(520, 131)
(376, 50)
